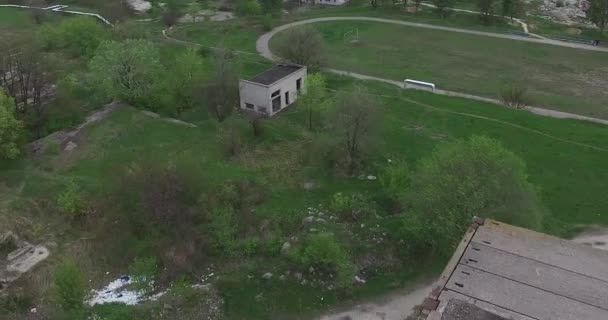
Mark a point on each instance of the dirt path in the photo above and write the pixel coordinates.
(396, 306)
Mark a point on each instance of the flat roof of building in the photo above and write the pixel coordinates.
(501, 272)
(275, 73)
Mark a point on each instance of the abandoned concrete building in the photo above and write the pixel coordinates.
(273, 90)
(502, 272)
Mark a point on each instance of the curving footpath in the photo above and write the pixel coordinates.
(263, 48)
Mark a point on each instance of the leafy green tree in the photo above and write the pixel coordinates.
(68, 286)
(248, 8)
(315, 92)
(443, 7)
(11, 129)
(79, 36)
(178, 89)
(598, 13)
(126, 70)
(466, 178)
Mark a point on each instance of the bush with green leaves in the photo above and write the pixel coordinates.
(466, 178)
(68, 286)
(324, 252)
(79, 36)
(11, 129)
(394, 178)
(351, 207)
(248, 8)
(70, 200)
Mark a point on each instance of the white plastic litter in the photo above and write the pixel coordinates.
(116, 292)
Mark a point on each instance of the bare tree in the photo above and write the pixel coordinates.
(487, 9)
(355, 117)
(222, 89)
(514, 95)
(23, 79)
(303, 46)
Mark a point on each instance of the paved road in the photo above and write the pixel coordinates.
(263, 48)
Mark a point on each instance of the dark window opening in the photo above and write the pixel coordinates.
(262, 109)
(248, 106)
(276, 93)
(276, 104)
(299, 84)
(287, 98)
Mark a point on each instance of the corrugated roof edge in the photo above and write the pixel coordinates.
(431, 302)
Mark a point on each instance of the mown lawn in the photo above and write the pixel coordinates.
(564, 79)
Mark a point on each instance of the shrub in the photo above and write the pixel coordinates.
(70, 200)
(79, 36)
(248, 8)
(267, 22)
(514, 95)
(394, 179)
(231, 141)
(69, 286)
(324, 252)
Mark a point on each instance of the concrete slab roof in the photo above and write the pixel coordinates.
(275, 73)
(514, 273)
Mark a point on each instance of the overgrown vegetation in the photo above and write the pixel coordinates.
(273, 217)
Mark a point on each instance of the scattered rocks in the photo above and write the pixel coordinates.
(71, 145)
(359, 279)
(309, 186)
(267, 276)
(308, 219)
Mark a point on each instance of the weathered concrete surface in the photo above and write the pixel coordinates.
(521, 274)
(394, 307)
(19, 261)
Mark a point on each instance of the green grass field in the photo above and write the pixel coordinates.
(564, 79)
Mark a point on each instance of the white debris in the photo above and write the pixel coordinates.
(358, 279)
(370, 177)
(140, 5)
(117, 292)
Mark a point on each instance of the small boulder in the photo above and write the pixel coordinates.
(308, 219)
(267, 275)
(285, 248)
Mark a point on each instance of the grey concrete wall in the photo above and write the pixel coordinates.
(254, 93)
(260, 95)
(288, 84)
